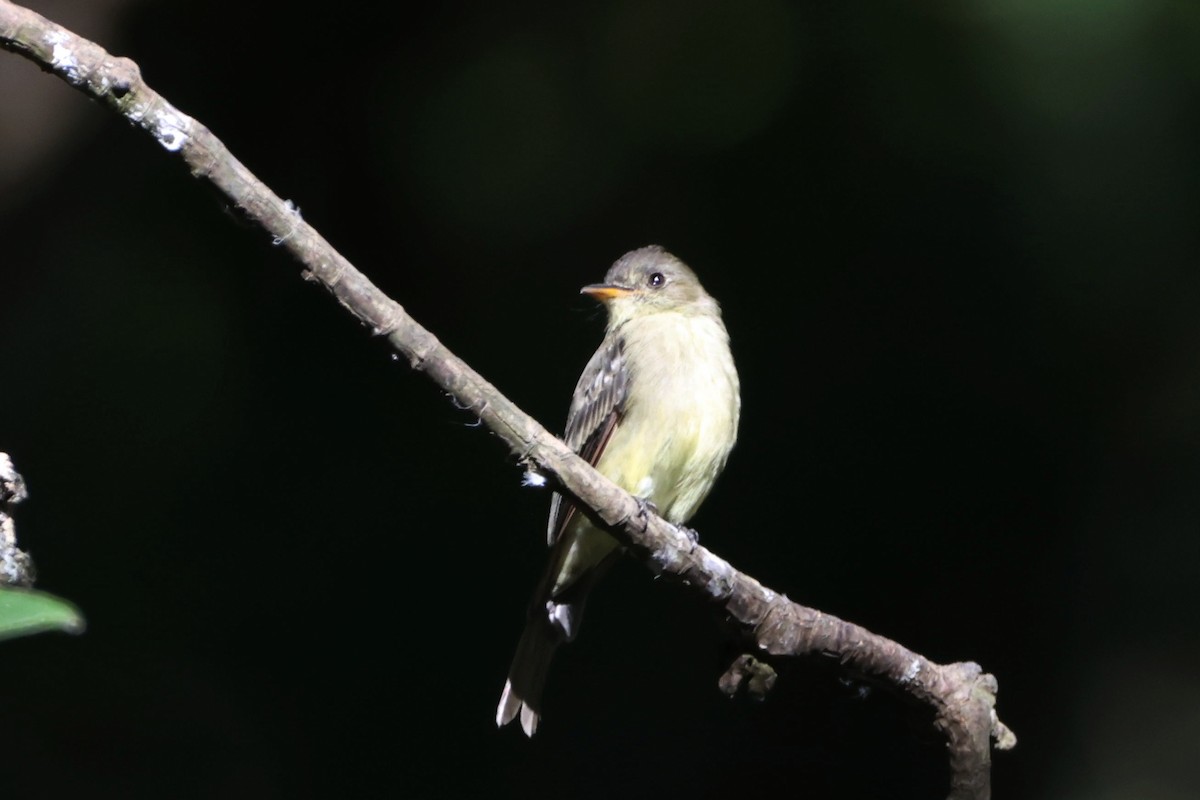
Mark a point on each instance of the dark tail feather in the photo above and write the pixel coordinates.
(527, 676)
(553, 618)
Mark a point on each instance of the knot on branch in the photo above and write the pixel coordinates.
(970, 693)
(125, 76)
(750, 675)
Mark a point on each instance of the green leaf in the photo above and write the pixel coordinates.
(24, 611)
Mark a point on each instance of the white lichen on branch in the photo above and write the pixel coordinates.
(16, 567)
(62, 57)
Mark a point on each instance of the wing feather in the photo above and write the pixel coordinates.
(596, 409)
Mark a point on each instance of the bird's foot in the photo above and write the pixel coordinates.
(645, 510)
(692, 534)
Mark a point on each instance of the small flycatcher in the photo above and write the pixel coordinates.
(656, 411)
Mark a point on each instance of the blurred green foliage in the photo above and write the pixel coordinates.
(24, 612)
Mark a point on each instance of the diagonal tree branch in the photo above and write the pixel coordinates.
(962, 695)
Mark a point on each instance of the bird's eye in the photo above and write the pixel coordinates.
(656, 280)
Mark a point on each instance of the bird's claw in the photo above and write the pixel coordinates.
(645, 510)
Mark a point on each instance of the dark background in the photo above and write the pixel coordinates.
(956, 246)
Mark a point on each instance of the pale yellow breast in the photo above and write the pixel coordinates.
(682, 414)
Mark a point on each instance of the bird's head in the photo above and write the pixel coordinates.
(650, 280)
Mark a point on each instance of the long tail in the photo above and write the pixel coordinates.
(527, 676)
(553, 618)
(548, 624)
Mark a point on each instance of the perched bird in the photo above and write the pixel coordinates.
(656, 411)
